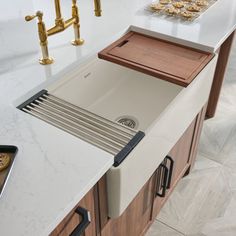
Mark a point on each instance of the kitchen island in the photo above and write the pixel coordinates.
(38, 194)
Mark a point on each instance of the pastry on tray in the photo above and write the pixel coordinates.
(4, 161)
(187, 14)
(193, 8)
(165, 2)
(178, 4)
(157, 6)
(201, 3)
(171, 11)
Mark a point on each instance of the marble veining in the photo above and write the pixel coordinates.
(51, 173)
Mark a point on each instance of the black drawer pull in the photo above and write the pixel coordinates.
(85, 215)
(163, 180)
(170, 171)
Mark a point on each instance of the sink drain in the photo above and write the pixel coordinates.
(130, 122)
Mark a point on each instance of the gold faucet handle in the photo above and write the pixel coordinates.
(38, 14)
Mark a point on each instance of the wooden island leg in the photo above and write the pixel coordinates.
(219, 75)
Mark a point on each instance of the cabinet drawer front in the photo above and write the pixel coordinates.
(165, 60)
(76, 224)
(125, 181)
(80, 221)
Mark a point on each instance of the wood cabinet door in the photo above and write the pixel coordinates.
(136, 217)
(76, 219)
(180, 154)
(183, 155)
(176, 164)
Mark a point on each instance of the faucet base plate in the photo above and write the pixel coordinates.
(46, 61)
(77, 42)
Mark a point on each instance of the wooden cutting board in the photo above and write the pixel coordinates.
(165, 60)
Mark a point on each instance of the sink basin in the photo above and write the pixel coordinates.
(145, 104)
(115, 92)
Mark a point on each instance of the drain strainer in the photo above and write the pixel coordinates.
(128, 121)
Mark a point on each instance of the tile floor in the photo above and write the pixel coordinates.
(204, 203)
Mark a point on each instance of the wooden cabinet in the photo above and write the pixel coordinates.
(136, 217)
(145, 206)
(143, 209)
(168, 61)
(173, 168)
(180, 154)
(81, 220)
(178, 163)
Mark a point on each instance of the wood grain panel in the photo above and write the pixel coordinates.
(102, 200)
(135, 218)
(159, 58)
(221, 66)
(72, 220)
(197, 135)
(184, 154)
(180, 153)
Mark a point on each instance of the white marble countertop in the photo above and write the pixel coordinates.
(206, 33)
(53, 170)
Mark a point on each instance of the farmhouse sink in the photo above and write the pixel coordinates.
(117, 93)
(162, 110)
(134, 104)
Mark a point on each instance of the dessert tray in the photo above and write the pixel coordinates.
(185, 10)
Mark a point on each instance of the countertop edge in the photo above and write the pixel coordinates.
(77, 198)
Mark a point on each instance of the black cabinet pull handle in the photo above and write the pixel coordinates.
(164, 182)
(170, 171)
(84, 223)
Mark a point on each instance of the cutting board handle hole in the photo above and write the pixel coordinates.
(123, 43)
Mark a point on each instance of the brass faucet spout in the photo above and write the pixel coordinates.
(58, 9)
(54, 30)
(69, 22)
(97, 8)
(60, 25)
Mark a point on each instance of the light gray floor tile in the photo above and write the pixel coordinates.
(224, 225)
(227, 97)
(204, 163)
(197, 199)
(215, 135)
(160, 229)
(230, 175)
(197, 234)
(219, 134)
(229, 167)
(230, 148)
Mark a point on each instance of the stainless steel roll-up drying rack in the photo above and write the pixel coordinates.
(110, 136)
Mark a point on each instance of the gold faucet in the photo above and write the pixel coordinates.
(60, 25)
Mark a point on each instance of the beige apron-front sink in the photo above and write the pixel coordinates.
(160, 109)
(89, 102)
